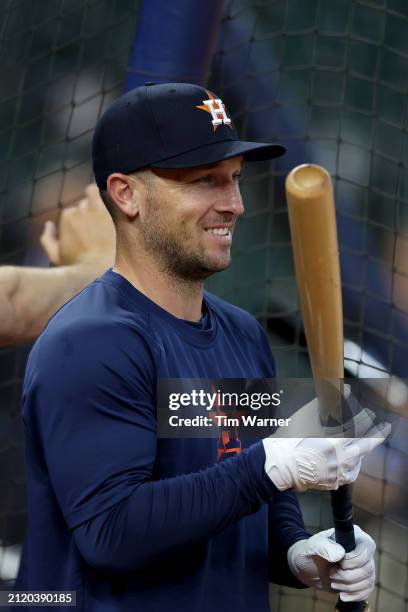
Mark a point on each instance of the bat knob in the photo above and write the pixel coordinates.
(352, 606)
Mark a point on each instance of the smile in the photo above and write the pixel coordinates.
(220, 235)
(218, 231)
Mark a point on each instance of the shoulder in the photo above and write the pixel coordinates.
(93, 331)
(98, 312)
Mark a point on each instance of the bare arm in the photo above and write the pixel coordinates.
(30, 296)
(83, 249)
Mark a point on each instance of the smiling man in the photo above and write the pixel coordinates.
(127, 520)
(186, 218)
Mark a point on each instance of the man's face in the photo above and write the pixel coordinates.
(189, 217)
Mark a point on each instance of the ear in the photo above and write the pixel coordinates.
(124, 191)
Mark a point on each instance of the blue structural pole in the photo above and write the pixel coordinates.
(174, 41)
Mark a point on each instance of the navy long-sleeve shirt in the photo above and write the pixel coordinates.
(128, 520)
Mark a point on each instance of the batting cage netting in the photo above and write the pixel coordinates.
(327, 78)
(62, 63)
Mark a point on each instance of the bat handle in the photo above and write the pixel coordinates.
(344, 534)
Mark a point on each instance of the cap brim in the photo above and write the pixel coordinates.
(218, 151)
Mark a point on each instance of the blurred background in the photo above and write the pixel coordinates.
(327, 78)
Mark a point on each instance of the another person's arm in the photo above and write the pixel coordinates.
(82, 248)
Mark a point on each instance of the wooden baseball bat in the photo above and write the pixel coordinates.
(312, 219)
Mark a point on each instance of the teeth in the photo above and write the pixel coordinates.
(219, 231)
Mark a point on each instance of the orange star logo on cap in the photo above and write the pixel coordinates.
(216, 108)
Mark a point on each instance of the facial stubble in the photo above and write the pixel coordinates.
(170, 247)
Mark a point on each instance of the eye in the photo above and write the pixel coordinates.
(237, 177)
(208, 179)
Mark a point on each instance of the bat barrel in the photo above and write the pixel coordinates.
(313, 229)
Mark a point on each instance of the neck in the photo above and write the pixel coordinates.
(180, 297)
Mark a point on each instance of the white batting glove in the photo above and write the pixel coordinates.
(319, 463)
(321, 563)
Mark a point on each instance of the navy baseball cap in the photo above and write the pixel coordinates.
(169, 125)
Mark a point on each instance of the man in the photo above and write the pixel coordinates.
(127, 520)
(82, 249)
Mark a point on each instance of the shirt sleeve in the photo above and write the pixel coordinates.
(285, 527)
(88, 399)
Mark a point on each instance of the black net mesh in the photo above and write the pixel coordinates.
(326, 77)
(62, 62)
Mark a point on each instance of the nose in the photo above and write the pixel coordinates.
(231, 200)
